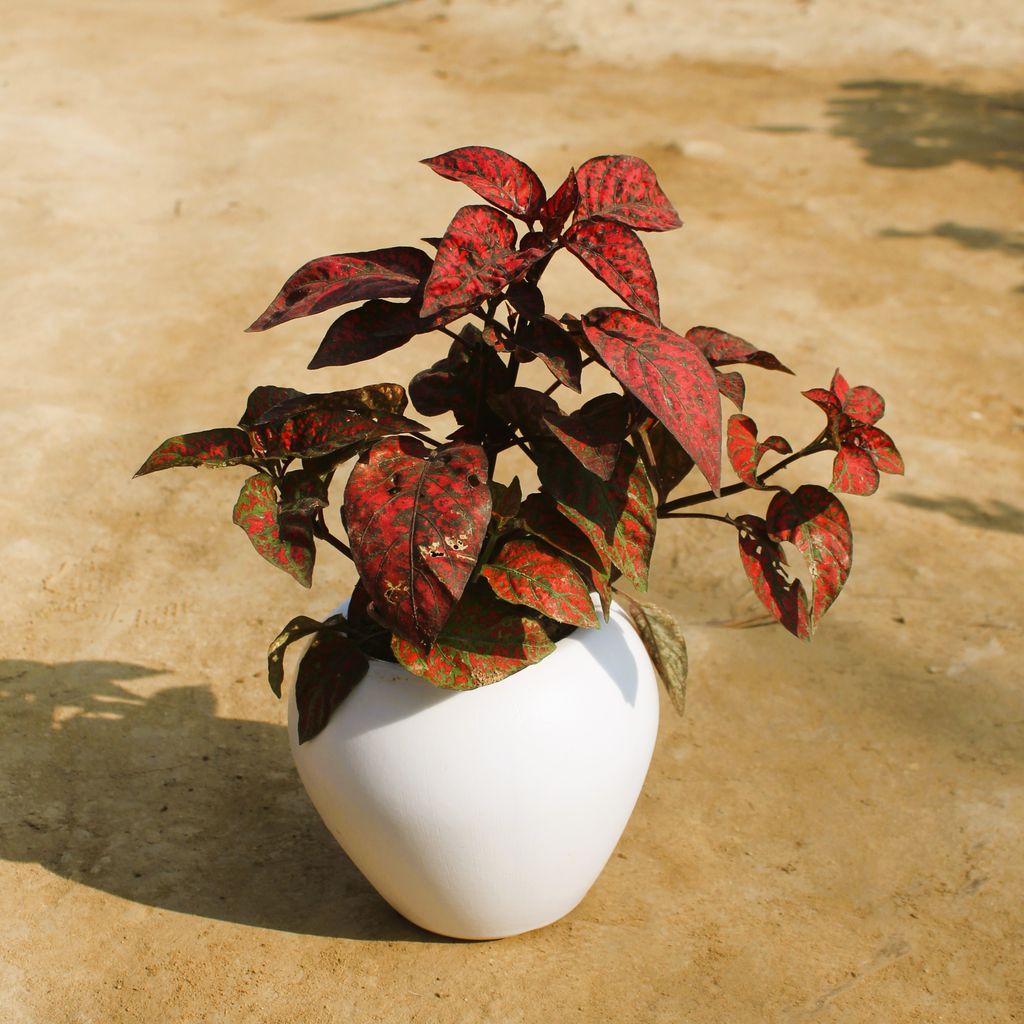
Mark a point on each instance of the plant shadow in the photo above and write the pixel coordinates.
(991, 515)
(157, 800)
(916, 125)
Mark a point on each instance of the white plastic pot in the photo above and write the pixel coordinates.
(489, 812)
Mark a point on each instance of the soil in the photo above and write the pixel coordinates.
(833, 831)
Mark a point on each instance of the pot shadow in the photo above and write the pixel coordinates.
(157, 800)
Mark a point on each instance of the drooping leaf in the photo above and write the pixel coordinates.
(263, 399)
(299, 627)
(745, 452)
(540, 515)
(222, 446)
(666, 647)
(732, 386)
(416, 521)
(476, 259)
(484, 641)
(556, 349)
(624, 189)
(319, 424)
(560, 206)
(615, 255)
(721, 348)
(329, 281)
(594, 433)
(764, 562)
(370, 330)
(288, 545)
(669, 375)
(527, 571)
(668, 464)
(501, 179)
(330, 670)
(618, 516)
(816, 522)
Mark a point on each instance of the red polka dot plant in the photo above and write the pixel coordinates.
(463, 578)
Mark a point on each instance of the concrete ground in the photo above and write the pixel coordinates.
(833, 832)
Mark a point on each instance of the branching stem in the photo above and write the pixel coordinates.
(320, 530)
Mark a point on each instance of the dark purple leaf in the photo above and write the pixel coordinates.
(368, 331)
(765, 565)
(594, 434)
(540, 515)
(554, 345)
(395, 273)
(330, 670)
(263, 399)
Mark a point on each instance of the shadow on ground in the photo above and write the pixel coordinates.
(990, 515)
(917, 125)
(158, 801)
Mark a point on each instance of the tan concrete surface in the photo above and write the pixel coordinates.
(834, 832)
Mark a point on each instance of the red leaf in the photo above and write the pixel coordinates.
(561, 206)
(732, 386)
(624, 189)
(368, 331)
(223, 446)
(880, 446)
(416, 519)
(554, 345)
(263, 399)
(594, 434)
(330, 670)
(319, 424)
(476, 259)
(764, 562)
(854, 471)
(864, 404)
(669, 375)
(745, 453)
(329, 281)
(501, 179)
(483, 642)
(526, 571)
(615, 255)
(722, 348)
(289, 546)
(816, 522)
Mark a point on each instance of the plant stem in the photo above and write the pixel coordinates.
(320, 530)
(700, 515)
(813, 448)
(426, 439)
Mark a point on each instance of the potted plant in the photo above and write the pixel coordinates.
(491, 812)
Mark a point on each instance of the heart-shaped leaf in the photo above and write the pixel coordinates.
(372, 329)
(745, 453)
(501, 179)
(624, 189)
(764, 562)
(263, 399)
(666, 647)
(556, 349)
(816, 522)
(416, 520)
(288, 545)
(299, 627)
(330, 670)
(476, 259)
(527, 571)
(329, 281)
(669, 375)
(615, 255)
(484, 641)
(721, 348)
(223, 446)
